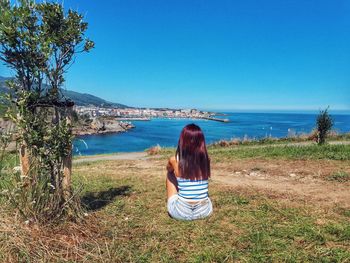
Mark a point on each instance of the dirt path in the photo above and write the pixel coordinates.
(303, 190)
(120, 156)
(302, 180)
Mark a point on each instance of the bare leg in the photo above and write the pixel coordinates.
(171, 184)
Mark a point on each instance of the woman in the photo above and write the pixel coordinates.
(187, 179)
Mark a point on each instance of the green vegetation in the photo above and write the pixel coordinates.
(39, 42)
(340, 177)
(3, 109)
(80, 99)
(83, 99)
(304, 138)
(332, 152)
(9, 160)
(279, 150)
(324, 124)
(270, 149)
(3, 102)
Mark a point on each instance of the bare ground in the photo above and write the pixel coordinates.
(301, 180)
(112, 157)
(293, 180)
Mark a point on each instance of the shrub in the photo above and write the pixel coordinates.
(340, 177)
(154, 150)
(324, 125)
(235, 141)
(223, 143)
(312, 136)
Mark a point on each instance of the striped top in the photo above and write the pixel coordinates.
(192, 190)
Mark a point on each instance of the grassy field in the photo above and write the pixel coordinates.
(311, 152)
(127, 219)
(306, 138)
(279, 151)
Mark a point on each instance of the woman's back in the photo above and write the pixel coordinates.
(192, 190)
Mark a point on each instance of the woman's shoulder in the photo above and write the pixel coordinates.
(172, 161)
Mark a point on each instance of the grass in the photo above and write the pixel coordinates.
(127, 219)
(340, 177)
(273, 140)
(10, 160)
(245, 226)
(313, 152)
(125, 201)
(339, 152)
(284, 151)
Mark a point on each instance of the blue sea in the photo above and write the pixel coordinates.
(165, 132)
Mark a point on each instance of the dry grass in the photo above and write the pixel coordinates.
(66, 242)
(127, 219)
(154, 150)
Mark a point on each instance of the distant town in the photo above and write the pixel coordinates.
(143, 113)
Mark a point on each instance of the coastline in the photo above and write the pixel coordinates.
(210, 118)
(165, 131)
(102, 126)
(119, 125)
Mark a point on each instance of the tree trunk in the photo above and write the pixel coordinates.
(67, 163)
(24, 159)
(67, 174)
(23, 156)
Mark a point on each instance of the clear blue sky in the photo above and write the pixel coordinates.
(216, 54)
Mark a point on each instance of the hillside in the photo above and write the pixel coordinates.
(80, 99)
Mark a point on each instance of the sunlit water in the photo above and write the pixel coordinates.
(165, 132)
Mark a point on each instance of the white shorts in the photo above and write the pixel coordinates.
(182, 210)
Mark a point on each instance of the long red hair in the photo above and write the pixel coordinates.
(192, 154)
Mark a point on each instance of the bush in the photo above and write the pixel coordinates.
(324, 125)
(6, 136)
(154, 150)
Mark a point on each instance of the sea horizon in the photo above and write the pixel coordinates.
(282, 111)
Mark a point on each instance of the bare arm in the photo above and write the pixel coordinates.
(173, 166)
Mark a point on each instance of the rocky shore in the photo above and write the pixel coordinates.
(96, 126)
(102, 126)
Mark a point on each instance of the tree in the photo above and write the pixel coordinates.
(324, 125)
(40, 41)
